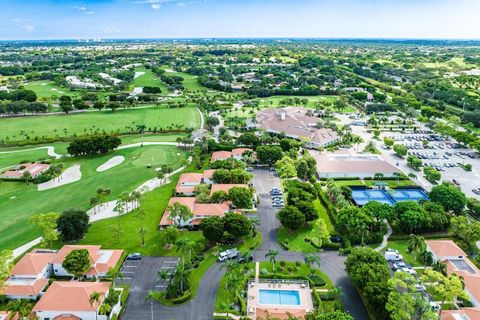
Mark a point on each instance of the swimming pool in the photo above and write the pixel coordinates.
(279, 297)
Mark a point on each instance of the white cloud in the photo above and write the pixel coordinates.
(90, 12)
(156, 6)
(81, 8)
(28, 27)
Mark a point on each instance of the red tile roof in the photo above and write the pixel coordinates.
(198, 209)
(34, 168)
(32, 263)
(70, 296)
(225, 187)
(208, 174)
(470, 313)
(240, 151)
(220, 155)
(20, 288)
(445, 248)
(279, 313)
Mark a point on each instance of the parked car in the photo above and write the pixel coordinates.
(455, 181)
(228, 254)
(134, 256)
(244, 259)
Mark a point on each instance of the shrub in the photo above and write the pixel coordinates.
(328, 245)
(298, 263)
(317, 280)
(186, 296)
(283, 263)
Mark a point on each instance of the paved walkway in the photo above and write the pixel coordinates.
(50, 151)
(385, 237)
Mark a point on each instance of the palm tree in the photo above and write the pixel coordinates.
(163, 275)
(416, 243)
(141, 129)
(114, 274)
(20, 308)
(426, 257)
(272, 254)
(95, 299)
(185, 245)
(311, 259)
(440, 267)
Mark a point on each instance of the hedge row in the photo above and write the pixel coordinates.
(186, 296)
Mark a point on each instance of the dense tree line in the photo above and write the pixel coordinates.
(93, 144)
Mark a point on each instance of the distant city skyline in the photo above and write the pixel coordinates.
(113, 19)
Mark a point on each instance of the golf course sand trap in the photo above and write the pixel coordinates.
(112, 162)
(70, 175)
(138, 74)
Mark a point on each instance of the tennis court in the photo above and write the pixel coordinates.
(363, 196)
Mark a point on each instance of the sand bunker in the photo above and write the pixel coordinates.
(70, 175)
(138, 74)
(113, 162)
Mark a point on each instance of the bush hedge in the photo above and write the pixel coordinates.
(186, 296)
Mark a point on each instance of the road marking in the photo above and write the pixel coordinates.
(125, 278)
(128, 272)
(130, 266)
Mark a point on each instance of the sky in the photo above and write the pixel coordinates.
(108, 19)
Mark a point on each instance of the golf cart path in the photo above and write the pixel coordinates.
(201, 118)
(70, 175)
(110, 163)
(50, 151)
(106, 210)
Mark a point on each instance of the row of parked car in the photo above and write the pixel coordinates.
(397, 264)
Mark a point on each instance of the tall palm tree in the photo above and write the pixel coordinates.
(440, 267)
(95, 299)
(141, 129)
(185, 246)
(20, 308)
(272, 254)
(426, 257)
(311, 259)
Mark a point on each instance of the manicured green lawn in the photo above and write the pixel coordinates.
(190, 82)
(401, 246)
(45, 88)
(324, 215)
(149, 79)
(349, 183)
(14, 158)
(19, 201)
(120, 121)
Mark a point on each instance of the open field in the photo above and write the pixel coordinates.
(120, 121)
(401, 246)
(189, 81)
(149, 79)
(19, 201)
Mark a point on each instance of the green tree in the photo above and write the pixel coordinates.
(27, 177)
(465, 230)
(291, 218)
(311, 259)
(237, 225)
(179, 214)
(213, 229)
(141, 129)
(389, 142)
(219, 197)
(20, 308)
(241, 197)
(449, 196)
(73, 224)
(431, 174)
(169, 236)
(400, 150)
(6, 264)
(269, 154)
(286, 167)
(47, 223)
(332, 315)
(77, 262)
(114, 274)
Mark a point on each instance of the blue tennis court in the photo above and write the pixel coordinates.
(363, 196)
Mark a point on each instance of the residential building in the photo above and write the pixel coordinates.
(187, 182)
(462, 314)
(70, 300)
(102, 260)
(200, 211)
(296, 123)
(29, 276)
(457, 262)
(347, 165)
(223, 155)
(207, 176)
(5, 315)
(34, 168)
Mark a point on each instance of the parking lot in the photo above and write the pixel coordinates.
(443, 155)
(141, 276)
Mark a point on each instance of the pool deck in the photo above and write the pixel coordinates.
(256, 309)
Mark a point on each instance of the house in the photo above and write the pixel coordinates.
(457, 262)
(462, 314)
(29, 276)
(225, 187)
(187, 182)
(102, 260)
(296, 123)
(223, 155)
(200, 211)
(67, 300)
(34, 168)
(347, 165)
(207, 176)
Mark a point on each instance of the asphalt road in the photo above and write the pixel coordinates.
(331, 263)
